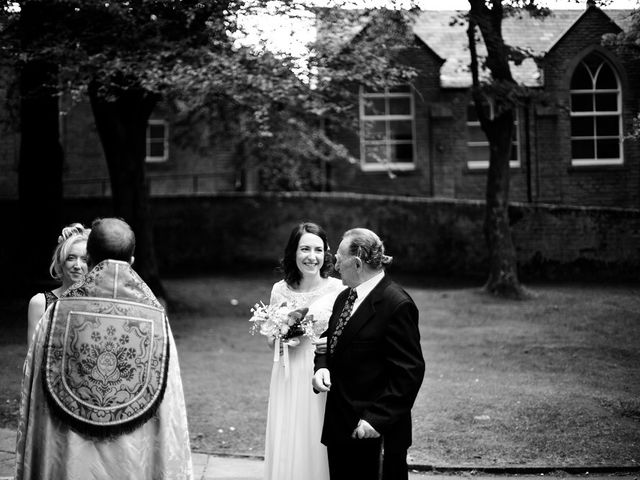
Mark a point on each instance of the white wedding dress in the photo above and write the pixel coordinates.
(294, 420)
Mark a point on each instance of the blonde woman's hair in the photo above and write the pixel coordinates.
(70, 235)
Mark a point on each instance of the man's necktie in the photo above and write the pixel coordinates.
(343, 319)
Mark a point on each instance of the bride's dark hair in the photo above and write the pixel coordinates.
(288, 265)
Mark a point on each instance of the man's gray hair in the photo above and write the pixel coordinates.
(367, 246)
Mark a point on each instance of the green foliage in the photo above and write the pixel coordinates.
(290, 174)
(628, 43)
(185, 52)
(635, 130)
(359, 48)
(93, 40)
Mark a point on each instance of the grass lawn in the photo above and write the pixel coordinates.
(550, 381)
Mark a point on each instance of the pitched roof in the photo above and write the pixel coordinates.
(448, 39)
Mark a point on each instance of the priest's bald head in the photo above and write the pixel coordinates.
(110, 239)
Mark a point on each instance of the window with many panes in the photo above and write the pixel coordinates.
(157, 141)
(596, 120)
(387, 129)
(478, 145)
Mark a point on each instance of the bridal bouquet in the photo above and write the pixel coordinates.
(286, 326)
(281, 323)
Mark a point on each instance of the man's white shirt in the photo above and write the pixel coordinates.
(365, 288)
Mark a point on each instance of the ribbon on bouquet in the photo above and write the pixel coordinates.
(381, 460)
(281, 349)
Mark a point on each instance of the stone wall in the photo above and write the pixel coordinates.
(434, 237)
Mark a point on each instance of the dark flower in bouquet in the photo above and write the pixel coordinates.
(297, 323)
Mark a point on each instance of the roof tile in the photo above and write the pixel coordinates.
(444, 31)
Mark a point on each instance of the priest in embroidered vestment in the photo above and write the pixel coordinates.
(102, 395)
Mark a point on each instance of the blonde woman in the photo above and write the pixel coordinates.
(68, 266)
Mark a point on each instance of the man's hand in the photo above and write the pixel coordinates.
(322, 380)
(364, 430)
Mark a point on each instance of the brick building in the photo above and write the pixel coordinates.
(569, 150)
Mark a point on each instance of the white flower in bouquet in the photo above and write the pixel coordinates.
(279, 321)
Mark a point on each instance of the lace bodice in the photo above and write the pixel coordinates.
(319, 301)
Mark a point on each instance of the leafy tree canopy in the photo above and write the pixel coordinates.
(627, 43)
(187, 53)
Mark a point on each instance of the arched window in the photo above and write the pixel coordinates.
(596, 120)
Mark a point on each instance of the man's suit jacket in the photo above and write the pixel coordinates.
(377, 366)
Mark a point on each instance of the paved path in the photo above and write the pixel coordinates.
(205, 467)
(213, 467)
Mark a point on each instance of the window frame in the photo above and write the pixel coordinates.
(387, 142)
(594, 114)
(165, 141)
(476, 165)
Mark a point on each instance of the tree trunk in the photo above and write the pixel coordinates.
(503, 275)
(498, 127)
(39, 170)
(122, 126)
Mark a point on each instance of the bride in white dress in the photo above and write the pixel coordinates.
(294, 421)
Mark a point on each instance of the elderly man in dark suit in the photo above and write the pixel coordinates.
(372, 367)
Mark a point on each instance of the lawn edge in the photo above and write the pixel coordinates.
(495, 470)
